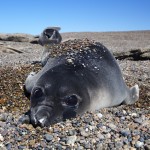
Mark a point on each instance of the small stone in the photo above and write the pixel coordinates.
(125, 141)
(125, 147)
(99, 115)
(125, 133)
(147, 147)
(105, 130)
(99, 146)
(147, 141)
(87, 145)
(92, 127)
(3, 117)
(100, 136)
(21, 147)
(2, 146)
(139, 144)
(99, 125)
(32, 142)
(134, 114)
(71, 140)
(24, 119)
(72, 132)
(1, 138)
(8, 146)
(112, 126)
(132, 148)
(88, 120)
(124, 112)
(83, 133)
(86, 129)
(108, 136)
(122, 118)
(138, 120)
(70, 61)
(2, 124)
(118, 144)
(141, 139)
(135, 132)
(48, 137)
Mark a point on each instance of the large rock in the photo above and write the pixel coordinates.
(133, 54)
(17, 37)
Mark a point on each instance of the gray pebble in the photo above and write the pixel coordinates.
(125, 132)
(84, 133)
(48, 137)
(138, 120)
(100, 136)
(71, 139)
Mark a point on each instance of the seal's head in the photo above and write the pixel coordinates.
(56, 96)
(50, 36)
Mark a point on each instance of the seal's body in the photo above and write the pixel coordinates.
(79, 75)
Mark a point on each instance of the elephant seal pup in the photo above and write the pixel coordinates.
(79, 75)
(50, 35)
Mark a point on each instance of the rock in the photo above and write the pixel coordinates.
(138, 120)
(9, 146)
(2, 146)
(88, 120)
(71, 140)
(48, 137)
(112, 126)
(24, 119)
(108, 136)
(3, 117)
(87, 145)
(84, 133)
(17, 37)
(100, 136)
(99, 115)
(134, 114)
(139, 144)
(1, 138)
(125, 132)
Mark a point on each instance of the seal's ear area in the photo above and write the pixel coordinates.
(26, 93)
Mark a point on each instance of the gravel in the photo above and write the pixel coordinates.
(121, 127)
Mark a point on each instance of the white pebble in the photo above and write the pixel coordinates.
(99, 115)
(138, 144)
(134, 114)
(1, 138)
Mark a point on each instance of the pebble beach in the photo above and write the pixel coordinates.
(119, 128)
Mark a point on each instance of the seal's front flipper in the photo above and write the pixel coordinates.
(133, 95)
(25, 119)
(29, 83)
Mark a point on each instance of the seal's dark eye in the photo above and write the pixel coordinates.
(71, 100)
(38, 92)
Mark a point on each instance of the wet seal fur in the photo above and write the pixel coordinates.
(78, 75)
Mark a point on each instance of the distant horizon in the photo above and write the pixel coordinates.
(81, 32)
